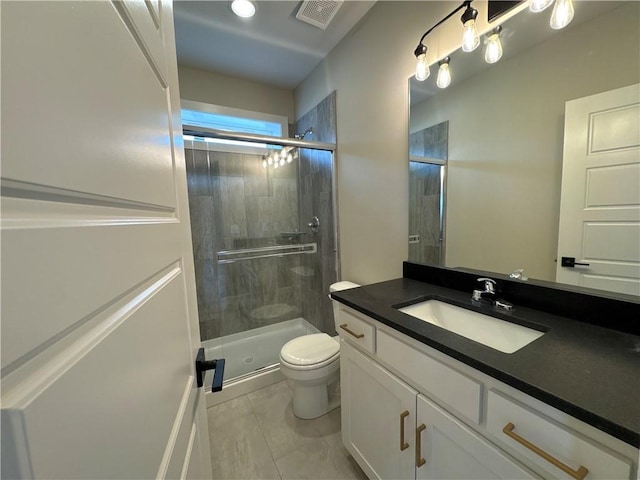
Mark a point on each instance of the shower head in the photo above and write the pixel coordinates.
(300, 136)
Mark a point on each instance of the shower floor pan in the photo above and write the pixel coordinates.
(254, 350)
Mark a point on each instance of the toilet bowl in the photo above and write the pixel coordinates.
(312, 363)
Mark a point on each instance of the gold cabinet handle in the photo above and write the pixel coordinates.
(403, 445)
(578, 474)
(419, 460)
(351, 332)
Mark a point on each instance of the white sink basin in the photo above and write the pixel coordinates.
(504, 336)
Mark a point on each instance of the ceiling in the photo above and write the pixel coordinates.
(272, 47)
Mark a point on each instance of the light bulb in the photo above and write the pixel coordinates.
(539, 5)
(264, 163)
(281, 161)
(493, 53)
(444, 74)
(562, 14)
(470, 37)
(243, 8)
(289, 158)
(276, 165)
(422, 67)
(270, 160)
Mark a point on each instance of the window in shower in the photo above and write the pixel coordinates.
(260, 270)
(199, 114)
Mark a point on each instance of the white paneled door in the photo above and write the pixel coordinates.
(600, 205)
(99, 316)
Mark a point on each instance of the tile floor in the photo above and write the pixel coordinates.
(256, 436)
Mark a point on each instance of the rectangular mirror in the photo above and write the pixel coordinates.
(505, 137)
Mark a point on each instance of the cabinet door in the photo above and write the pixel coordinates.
(449, 449)
(376, 408)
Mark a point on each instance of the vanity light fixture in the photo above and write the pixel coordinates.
(470, 38)
(243, 8)
(422, 67)
(493, 52)
(444, 74)
(561, 15)
(279, 159)
(539, 5)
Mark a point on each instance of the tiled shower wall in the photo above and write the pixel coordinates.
(316, 199)
(425, 193)
(235, 203)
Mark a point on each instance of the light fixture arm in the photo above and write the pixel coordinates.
(466, 3)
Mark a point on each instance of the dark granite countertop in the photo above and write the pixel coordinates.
(587, 371)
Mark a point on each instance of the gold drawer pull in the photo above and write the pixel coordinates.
(403, 445)
(350, 332)
(419, 460)
(578, 474)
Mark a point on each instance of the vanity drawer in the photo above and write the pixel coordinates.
(354, 328)
(560, 451)
(432, 377)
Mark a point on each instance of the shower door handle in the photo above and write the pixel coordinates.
(203, 365)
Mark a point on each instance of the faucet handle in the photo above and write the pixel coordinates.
(489, 284)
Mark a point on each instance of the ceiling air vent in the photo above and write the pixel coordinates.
(318, 13)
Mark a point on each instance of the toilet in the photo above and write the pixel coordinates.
(312, 363)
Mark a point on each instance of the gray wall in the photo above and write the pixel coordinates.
(316, 199)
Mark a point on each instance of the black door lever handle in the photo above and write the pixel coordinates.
(203, 365)
(571, 262)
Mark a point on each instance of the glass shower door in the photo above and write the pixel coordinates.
(256, 258)
(426, 212)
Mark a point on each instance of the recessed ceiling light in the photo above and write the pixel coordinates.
(243, 8)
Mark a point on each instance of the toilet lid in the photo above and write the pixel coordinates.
(309, 349)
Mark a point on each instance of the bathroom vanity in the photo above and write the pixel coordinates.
(420, 401)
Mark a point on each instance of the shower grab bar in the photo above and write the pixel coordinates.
(230, 256)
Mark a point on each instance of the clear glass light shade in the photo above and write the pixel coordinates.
(493, 53)
(470, 37)
(243, 8)
(539, 5)
(444, 76)
(270, 160)
(422, 69)
(562, 14)
(264, 163)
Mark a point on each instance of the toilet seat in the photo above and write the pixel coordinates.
(310, 352)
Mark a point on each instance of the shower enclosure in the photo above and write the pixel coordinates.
(264, 243)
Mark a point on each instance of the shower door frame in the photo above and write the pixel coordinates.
(443, 199)
(204, 132)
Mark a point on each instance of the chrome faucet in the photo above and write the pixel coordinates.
(489, 293)
(489, 289)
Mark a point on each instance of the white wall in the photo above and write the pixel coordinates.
(369, 70)
(505, 152)
(214, 88)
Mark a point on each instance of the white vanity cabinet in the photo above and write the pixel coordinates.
(378, 416)
(394, 432)
(447, 448)
(409, 411)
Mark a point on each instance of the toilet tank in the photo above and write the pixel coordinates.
(336, 287)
